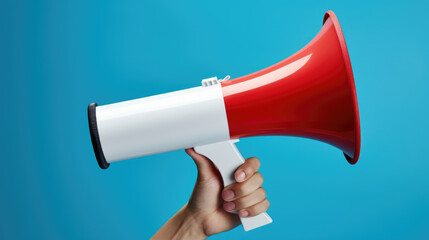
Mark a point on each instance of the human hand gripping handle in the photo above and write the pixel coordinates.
(211, 208)
(228, 159)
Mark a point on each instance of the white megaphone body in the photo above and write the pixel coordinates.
(310, 94)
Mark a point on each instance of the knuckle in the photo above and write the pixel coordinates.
(265, 205)
(253, 211)
(263, 192)
(252, 163)
(239, 190)
(259, 208)
(261, 178)
(252, 199)
(249, 186)
(240, 203)
(256, 162)
(253, 160)
(258, 179)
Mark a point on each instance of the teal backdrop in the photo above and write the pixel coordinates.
(58, 56)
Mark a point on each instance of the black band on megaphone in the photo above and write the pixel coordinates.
(95, 138)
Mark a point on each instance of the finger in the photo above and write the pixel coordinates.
(204, 164)
(255, 209)
(238, 190)
(246, 170)
(247, 201)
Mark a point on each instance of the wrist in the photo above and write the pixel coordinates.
(183, 225)
(191, 225)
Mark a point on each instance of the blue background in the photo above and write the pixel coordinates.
(58, 56)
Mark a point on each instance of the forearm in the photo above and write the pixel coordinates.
(182, 225)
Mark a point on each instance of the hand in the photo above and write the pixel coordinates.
(210, 207)
(215, 206)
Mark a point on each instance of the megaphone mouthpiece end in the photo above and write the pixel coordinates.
(95, 138)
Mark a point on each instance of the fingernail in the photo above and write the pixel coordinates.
(229, 206)
(243, 213)
(240, 176)
(228, 194)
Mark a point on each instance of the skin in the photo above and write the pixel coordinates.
(211, 206)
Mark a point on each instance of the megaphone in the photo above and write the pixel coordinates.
(311, 94)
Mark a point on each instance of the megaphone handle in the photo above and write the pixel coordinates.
(227, 159)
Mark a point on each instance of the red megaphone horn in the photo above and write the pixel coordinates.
(311, 94)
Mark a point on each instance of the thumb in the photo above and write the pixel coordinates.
(206, 168)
